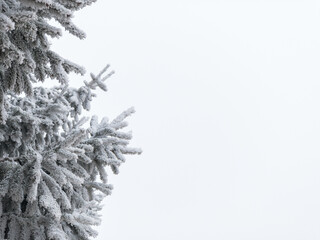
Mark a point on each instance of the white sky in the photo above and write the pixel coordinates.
(228, 115)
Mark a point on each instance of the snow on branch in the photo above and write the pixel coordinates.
(52, 169)
(25, 49)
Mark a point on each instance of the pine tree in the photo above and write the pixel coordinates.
(52, 169)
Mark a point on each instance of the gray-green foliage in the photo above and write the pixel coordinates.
(52, 168)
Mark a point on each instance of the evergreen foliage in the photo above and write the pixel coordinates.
(52, 168)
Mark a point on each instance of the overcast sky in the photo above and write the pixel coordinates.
(228, 115)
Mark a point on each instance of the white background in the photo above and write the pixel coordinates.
(227, 95)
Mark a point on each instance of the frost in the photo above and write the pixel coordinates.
(53, 170)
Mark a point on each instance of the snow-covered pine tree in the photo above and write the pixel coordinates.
(52, 168)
